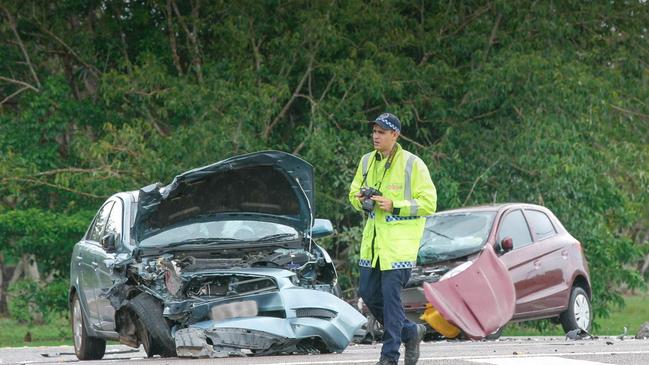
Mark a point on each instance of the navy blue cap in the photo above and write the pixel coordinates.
(388, 121)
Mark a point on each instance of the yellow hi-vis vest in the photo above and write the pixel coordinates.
(394, 236)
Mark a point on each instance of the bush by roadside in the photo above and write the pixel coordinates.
(36, 303)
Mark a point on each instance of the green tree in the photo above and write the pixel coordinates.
(540, 102)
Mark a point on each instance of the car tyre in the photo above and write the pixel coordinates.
(152, 329)
(85, 347)
(579, 313)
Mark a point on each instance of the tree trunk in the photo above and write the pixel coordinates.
(18, 272)
(172, 38)
(645, 265)
(27, 268)
(3, 300)
(191, 36)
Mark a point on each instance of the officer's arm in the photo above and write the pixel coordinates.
(424, 194)
(355, 187)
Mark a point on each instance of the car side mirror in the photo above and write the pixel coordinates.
(321, 228)
(507, 244)
(108, 242)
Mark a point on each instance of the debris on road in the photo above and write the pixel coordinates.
(578, 334)
(643, 332)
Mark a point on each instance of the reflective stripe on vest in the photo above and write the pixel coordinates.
(365, 161)
(407, 190)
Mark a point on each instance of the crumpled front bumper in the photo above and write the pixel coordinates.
(315, 322)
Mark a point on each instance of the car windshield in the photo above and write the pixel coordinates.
(452, 235)
(226, 231)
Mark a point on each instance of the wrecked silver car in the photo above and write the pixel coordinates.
(220, 262)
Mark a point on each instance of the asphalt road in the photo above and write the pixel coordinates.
(506, 351)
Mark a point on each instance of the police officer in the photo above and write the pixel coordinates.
(404, 194)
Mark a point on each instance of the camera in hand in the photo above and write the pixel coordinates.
(367, 193)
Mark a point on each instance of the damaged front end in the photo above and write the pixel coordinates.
(280, 301)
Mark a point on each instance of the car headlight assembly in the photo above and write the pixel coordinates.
(456, 270)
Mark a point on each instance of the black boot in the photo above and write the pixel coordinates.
(386, 361)
(412, 346)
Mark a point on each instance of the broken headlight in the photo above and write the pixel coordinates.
(456, 270)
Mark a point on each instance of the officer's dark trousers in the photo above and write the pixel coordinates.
(381, 292)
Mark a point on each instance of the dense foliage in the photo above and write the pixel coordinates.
(541, 102)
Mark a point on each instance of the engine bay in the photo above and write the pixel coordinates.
(201, 275)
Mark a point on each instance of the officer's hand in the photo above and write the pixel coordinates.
(383, 202)
(359, 196)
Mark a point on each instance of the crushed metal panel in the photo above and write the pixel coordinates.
(286, 181)
(224, 342)
(311, 316)
(478, 300)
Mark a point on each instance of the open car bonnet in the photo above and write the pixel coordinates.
(268, 186)
(478, 297)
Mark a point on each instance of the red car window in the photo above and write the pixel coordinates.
(541, 224)
(515, 226)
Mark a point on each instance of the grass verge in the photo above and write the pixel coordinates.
(56, 332)
(634, 313)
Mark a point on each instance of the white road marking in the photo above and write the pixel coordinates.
(518, 358)
(540, 360)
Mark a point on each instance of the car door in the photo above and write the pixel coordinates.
(523, 262)
(87, 256)
(105, 261)
(553, 259)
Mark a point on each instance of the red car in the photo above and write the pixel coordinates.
(481, 267)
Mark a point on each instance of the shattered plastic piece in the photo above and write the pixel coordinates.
(314, 322)
(578, 334)
(643, 332)
(192, 342)
(479, 299)
(439, 324)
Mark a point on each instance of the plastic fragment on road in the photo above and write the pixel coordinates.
(439, 324)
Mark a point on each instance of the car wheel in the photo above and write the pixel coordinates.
(85, 347)
(145, 339)
(579, 313)
(152, 329)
